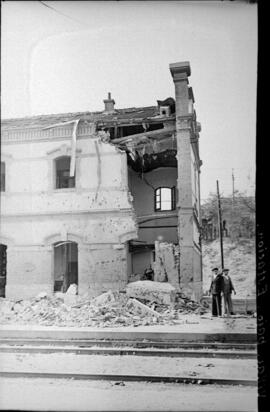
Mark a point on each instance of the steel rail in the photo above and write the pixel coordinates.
(134, 378)
(86, 343)
(227, 354)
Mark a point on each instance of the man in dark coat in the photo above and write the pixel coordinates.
(216, 288)
(227, 292)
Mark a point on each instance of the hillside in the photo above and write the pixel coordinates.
(239, 257)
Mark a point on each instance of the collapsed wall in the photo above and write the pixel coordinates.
(167, 263)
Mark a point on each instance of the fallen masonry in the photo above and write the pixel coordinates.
(159, 292)
(110, 309)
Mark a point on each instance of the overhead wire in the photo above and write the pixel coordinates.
(62, 14)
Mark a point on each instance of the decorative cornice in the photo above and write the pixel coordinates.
(61, 214)
(21, 135)
(180, 71)
(56, 237)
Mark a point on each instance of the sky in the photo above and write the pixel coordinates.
(65, 56)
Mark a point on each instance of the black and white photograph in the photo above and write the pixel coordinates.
(129, 255)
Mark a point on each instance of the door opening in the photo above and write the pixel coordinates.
(65, 265)
(3, 270)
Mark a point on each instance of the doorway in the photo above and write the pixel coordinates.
(65, 265)
(3, 270)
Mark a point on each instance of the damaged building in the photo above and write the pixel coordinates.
(95, 198)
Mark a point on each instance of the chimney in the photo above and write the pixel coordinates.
(109, 104)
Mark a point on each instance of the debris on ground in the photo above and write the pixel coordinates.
(110, 309)
(187, 305)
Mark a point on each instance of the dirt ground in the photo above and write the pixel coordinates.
(72, 395)
(132, 364)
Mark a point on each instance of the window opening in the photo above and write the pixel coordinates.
(3, 177)
(62, 173)
(165, 198)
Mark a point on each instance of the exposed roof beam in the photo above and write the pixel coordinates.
(145, 135)
(134, 121)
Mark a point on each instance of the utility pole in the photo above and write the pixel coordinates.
(233, 208)
(220, 228)
(233, 188)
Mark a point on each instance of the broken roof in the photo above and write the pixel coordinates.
(119, 115)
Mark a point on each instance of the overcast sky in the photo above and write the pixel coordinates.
(68, 59)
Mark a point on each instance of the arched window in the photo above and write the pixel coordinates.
(3, 177)
(165, 198)
(62, 173)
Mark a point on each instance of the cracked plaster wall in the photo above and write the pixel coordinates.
(144, 204)
(33, 211)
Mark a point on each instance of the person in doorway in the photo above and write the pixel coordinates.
(228, 288)
(148, 274)
(216, 288)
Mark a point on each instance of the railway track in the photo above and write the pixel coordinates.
(231, 352)
(134, 343)
(131, 378)
(138, 348)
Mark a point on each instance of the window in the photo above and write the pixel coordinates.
(164, 110)
(62, 173)
(3, 177)
(165, 198)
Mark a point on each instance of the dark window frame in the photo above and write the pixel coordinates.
(158, 199)
(60, 180)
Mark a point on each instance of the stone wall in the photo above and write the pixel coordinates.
(102, 267)
(28, 271)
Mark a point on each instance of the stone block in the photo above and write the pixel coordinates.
(159, 292)
(139, 309)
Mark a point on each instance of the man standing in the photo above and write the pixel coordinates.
(227, 291)
(216, 288)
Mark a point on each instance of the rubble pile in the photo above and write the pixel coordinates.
(111, 309)
(187, 305)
